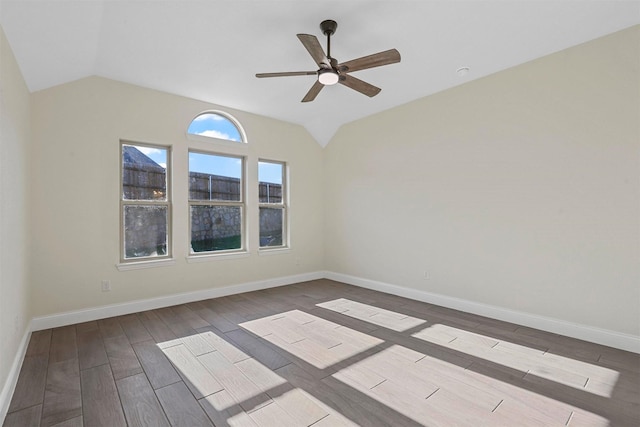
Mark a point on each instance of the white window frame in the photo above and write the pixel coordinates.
(143, 262)
(284, 205)
(242, 204)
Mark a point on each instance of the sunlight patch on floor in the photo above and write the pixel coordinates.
(312, 339)
(432, 391)
(378, 316)
(239, 390)
(235, 389)
(530, 361)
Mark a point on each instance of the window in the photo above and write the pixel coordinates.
(145, 202)
(272, 203)
(216, 125)
(216, 202)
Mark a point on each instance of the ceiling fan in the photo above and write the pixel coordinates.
(332, 72)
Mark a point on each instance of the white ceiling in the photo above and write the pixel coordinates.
(211, 49)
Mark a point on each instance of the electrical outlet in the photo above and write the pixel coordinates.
(106, 286)
(426, 275)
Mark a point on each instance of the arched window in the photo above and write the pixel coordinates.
(216, 125)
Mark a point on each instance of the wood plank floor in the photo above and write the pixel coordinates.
(319, 353)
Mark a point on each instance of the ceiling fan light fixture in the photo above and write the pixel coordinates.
(328, 77)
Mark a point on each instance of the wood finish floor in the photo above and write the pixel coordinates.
(319, 353)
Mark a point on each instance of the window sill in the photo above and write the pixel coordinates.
(274, 251)
(137, 265)
(216, 257)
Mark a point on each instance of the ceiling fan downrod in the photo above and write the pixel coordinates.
(328, 28)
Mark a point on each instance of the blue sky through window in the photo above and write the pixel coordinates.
(232, 167)
(270, 172)
(214, 126)
(157, 155)
(215, 165)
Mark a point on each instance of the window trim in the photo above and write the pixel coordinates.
(284, 205)
(242, 204)
(148, 261)
(139, 265)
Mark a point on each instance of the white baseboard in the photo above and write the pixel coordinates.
(12, 379)
(95, 313)
(588, 333)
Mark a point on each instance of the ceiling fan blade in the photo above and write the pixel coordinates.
(358, 85)
(390, 56)
(287, 73)
(312, 45)
(313, 92)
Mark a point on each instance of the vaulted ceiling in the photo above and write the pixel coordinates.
(211, 49)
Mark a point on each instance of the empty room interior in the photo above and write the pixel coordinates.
(305, 213)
